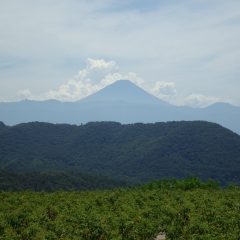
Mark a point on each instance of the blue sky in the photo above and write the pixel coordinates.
(185, 52)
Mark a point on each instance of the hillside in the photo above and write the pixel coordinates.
(123, 102)
(132, 152)
(3, 127)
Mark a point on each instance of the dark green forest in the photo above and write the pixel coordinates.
(133, 153)
(53, 181)
(43, 166)
(179, 209)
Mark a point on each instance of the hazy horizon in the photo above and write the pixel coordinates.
(29, 98)
(185, 53)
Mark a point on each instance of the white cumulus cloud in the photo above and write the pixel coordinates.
(97, 74)
(164, 88)
(24, 94)
(100, 64)
(199, 100)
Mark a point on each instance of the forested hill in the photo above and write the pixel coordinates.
(134, 152)
(2, 127)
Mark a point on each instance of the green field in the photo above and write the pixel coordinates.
(185, 209)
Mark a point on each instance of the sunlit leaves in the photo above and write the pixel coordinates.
(186, 209)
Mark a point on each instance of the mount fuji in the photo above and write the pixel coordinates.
(121, 101)
(123, 91)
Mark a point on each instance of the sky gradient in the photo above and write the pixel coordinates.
(185, 52)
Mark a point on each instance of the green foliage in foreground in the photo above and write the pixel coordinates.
(186, 209)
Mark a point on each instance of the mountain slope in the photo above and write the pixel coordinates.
(122, 102)
(3, 127)
(136, 152)
(123, 91)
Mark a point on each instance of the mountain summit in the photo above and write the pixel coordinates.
(123, 91)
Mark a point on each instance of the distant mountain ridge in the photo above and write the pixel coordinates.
(121, 101)
(123, 91)
(133, 152)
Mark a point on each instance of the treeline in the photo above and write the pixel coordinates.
(55, 181)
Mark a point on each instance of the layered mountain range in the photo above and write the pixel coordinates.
(119, 135)
(121, 101)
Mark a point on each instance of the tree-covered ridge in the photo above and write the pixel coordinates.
(187, 209)
(3, 127)
(133, 152)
